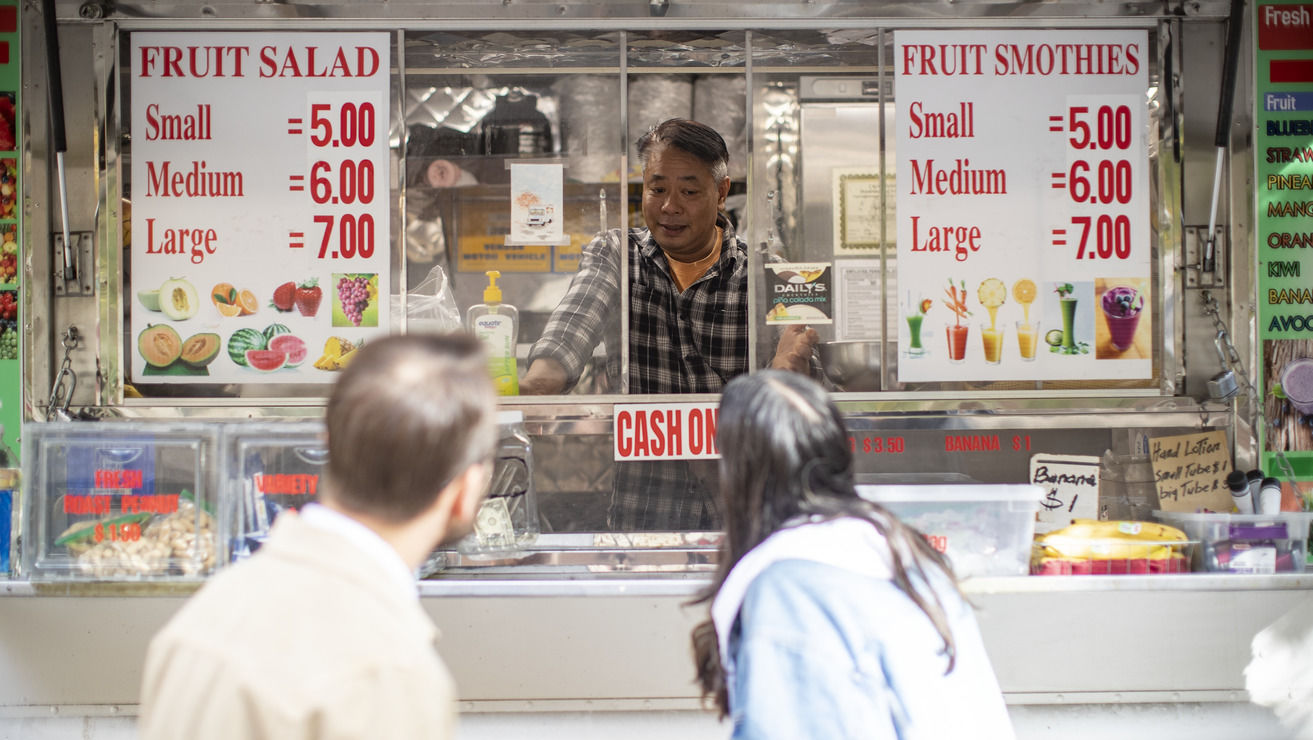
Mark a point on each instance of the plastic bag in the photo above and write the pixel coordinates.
(430, 306)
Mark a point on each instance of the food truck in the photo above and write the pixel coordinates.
(1053, 252)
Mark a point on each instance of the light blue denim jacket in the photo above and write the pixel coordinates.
(819, 651)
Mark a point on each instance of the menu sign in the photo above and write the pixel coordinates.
(259, 192)
(1023, 205)
(1190, 470)
(1283, 142)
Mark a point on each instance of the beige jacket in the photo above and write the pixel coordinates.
(307, 639)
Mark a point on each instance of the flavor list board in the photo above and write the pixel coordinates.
(260, 219)
(1283, 140)
(1023, 205)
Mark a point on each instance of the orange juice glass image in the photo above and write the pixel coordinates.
(991, 339)
(1027, 338)
(957, 342)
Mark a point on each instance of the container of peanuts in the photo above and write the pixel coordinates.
(121, 501)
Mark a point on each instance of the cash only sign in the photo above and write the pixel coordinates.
(259, 236)
(1023, 205)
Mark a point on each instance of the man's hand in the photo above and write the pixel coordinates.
(794, 351)
(545, 377)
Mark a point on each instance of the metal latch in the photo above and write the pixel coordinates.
(1199, 271)
(77, 278)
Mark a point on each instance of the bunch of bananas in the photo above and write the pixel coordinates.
(1092, 539)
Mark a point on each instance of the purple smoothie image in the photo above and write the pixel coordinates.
(1122, 307)
(1297, 384)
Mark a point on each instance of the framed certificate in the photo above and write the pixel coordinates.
(856, 210)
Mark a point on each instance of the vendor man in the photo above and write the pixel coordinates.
(688, 314)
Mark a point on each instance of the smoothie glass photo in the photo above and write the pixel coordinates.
(991, 340)
(957, 342)
(1027, 339)
(1066, 343)
(1297, 384)
(915, 317)
(956, 333)
(992, 294)
(1122, 307)
(1024, 291)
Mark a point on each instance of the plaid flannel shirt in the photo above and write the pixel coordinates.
(690, 342)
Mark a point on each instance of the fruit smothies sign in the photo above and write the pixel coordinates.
(1023, 205)
(259, 203)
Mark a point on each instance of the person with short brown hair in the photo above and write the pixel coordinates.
(320, 634)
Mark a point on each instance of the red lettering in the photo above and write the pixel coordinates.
(659, 431)
(695, 432)
(640, 434)
(675, 427)
(86, 504)
(624, 427)
(712, 415)
(119, 478)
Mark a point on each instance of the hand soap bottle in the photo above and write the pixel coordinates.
(497, 325)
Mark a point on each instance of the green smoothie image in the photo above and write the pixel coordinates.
(914, 332)
(915, 317)
(1064, 341)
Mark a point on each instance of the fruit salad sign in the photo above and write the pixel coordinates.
(1023, 205)
(259, 187)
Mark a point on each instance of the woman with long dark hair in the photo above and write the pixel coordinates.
(829, 618)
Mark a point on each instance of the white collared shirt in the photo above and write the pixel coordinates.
(366, 540)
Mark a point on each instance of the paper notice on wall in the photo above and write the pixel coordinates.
(1190, 470)
(537, 204)
(1072, 485)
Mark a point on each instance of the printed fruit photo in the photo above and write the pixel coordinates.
(355, 301)
(8, 139)
(231, 301)
(266, 351)
(243, 340)
(178, 299)
(8, 187)
(9, 254)
(166, 353)
(284, 297)
(338, 353)
(9, 305)
(308, 296)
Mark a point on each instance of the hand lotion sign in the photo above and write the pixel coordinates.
(1022, 205)
(259, 191)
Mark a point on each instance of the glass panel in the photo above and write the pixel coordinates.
(816, 146)
(483, 111)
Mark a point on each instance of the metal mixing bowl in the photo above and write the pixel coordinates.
(851, 365)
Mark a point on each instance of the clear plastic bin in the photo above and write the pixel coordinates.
(123, 501)
(1246, 543)
(272, 467)
(985, 530)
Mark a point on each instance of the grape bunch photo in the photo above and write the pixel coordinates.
(355, 299)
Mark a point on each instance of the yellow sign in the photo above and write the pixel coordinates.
(480, 253)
